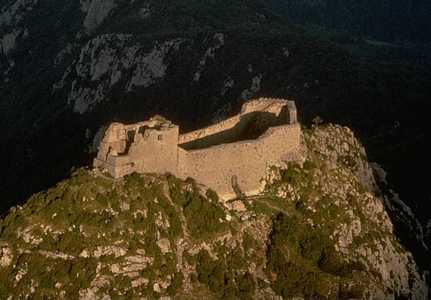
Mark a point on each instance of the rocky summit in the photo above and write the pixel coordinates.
(319, 230)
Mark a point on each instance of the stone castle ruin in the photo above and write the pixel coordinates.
(231, 156)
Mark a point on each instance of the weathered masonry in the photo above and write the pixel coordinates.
(233, 154)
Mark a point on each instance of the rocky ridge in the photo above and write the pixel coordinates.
(320, 230)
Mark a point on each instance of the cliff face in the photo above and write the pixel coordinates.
(320, 230)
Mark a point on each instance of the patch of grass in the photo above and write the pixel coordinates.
(297, 176)
(302, 261)
(176, 283)
(226, 276)
(347, 161)
(248, 242)
(204, 217)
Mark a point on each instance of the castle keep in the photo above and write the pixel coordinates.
(233, 154)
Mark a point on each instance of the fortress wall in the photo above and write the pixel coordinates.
(247, 160)
(155, 151)
(234, 134)
(106, 148)
(148, 123)
(123, 168)
(210, 130)
(251, 125)
(117, 166)
(263, 104)
(149, 146)
(268, 105)
(292, 114)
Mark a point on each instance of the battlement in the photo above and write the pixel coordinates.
(230, 155)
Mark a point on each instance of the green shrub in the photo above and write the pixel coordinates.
(223, 277)
(303, 259)
(204, 217)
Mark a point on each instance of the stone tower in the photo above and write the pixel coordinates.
(149, 146)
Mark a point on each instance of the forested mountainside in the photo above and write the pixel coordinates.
(67, 68)
(320, 230)
(391, 21)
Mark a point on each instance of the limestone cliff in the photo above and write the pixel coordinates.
(319, 231)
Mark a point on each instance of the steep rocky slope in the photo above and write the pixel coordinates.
(319, 231)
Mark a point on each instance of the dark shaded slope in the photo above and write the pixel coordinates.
(393, 20)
